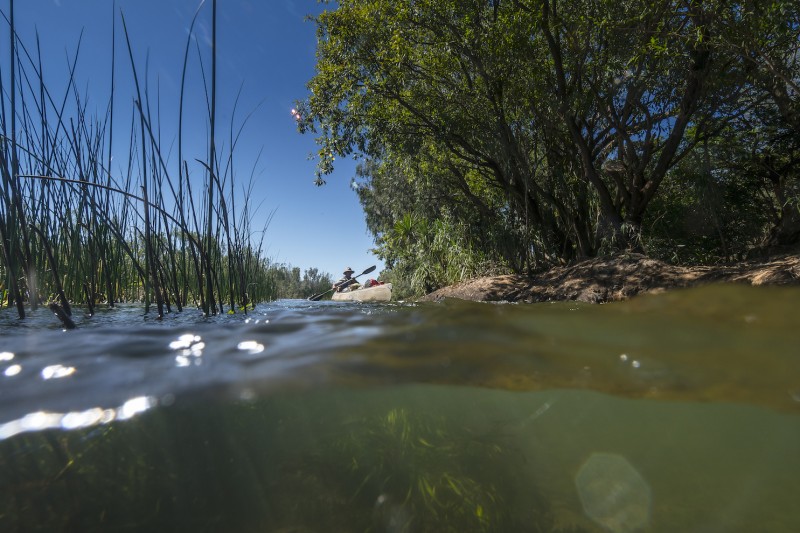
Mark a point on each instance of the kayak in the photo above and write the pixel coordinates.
(376, 293)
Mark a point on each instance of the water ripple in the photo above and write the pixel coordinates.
(657, 347)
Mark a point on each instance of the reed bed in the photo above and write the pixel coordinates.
(169, 234)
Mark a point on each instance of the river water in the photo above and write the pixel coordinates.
(665, 413)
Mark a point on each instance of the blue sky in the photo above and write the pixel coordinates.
(266, 54)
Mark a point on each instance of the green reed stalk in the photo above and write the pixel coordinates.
(9, 172)
(198, 265)
(110, 296)
(211, 305)
(148, 244)
(88, 230)
(43, 159)
(54, 268)
(181, 163)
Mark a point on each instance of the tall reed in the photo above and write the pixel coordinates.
(74, 231)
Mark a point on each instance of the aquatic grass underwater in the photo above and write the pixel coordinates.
(246, 467)
(452, 416)
(160, 232)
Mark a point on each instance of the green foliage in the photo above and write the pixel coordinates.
(289, 284)
(425, 256)
(427, 235)
(535, 132)
(702, 217)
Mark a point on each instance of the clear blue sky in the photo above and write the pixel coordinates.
(265, 49)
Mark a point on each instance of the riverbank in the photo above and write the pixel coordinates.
(609, 279)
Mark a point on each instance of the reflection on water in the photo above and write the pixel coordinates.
(42, 420)
(671, 413)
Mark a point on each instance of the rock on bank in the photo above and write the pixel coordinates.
(617, 278)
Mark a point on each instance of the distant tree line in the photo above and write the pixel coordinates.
(289, 284)
(512, 135)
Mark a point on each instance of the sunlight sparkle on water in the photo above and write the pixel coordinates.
(12, 370)
(42, 420)
(251, 347)
(135, 406)
(188, 346)
(57, 371)
(90, 417)
(185, 341)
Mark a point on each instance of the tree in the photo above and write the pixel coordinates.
(553, 123)
(765, 38)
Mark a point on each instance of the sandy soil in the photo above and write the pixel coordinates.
(608, 279)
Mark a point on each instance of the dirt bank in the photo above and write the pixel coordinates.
(618, 278)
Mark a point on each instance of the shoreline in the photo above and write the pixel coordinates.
(609, 279)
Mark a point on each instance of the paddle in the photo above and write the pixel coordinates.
(345, 284)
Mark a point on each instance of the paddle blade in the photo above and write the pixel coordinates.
(318, 296)
(367, 271)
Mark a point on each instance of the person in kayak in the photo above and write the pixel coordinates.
(347, 282)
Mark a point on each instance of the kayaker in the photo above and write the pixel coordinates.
(346, 282)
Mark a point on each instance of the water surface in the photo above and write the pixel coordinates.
(673, 412)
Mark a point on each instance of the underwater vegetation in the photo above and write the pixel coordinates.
(423, 473)
(405, 471)
(215, 469)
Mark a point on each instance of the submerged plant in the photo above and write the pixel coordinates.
(421, 475)
(400, 472)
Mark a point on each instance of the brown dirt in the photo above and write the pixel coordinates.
(618, 278)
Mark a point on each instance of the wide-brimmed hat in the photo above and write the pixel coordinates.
(348, 269)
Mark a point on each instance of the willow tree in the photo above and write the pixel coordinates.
(437, 81)
(627, 80)
(765, 38)
(572, 113)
